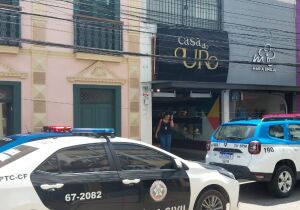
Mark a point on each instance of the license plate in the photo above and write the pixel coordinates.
(226, 155)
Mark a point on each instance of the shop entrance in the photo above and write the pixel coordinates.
(196, 116)
(10, 108)
(97, 107)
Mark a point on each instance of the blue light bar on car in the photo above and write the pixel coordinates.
(96, 131)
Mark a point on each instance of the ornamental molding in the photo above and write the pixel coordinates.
(97, 73)
(8, 72)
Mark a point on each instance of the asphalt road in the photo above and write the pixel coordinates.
(254, 196)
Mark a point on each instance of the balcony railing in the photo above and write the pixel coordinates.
(97, 33)
(9, 25)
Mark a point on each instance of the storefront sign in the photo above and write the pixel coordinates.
(191, 55)
(265, 56)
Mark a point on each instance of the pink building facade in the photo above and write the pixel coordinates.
(63, 65)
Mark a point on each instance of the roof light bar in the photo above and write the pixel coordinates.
(274, 117)
(93, 131)
(57, 129)
(281, 115)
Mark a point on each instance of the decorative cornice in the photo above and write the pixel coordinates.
(97, 57)
(9, 49)
(96, 81)
(97, 73)
(11, 73)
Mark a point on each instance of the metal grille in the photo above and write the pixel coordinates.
(96, 96)
(9, 23)
(193, 13)
(95, 34)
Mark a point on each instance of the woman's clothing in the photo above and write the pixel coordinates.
(165, 128)
(165, 136)
(165, 142)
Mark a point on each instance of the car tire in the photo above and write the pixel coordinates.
(283, 182)
(211, 199)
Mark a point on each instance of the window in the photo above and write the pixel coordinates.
(9, 22)
(88, 158)
(50, 165)
(294, 132)
(136, 157)
(235, 132)
(276, 131)
(194, 13)
(97, 25)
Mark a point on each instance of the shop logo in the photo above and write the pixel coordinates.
(201, 55)
(158, 191)
(265, 56)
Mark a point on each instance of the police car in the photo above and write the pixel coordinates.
(81, 172)
(265, 149)
(48, 131)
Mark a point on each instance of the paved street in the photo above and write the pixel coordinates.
(254, 196)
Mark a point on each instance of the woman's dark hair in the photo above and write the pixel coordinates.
(166, 113)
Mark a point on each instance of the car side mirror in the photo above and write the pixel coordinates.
(178, 163)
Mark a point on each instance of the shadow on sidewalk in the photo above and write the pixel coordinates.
(257, 193)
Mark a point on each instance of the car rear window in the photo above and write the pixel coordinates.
(235, 132)
(15, 153)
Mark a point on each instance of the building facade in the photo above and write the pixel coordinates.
(64, 63)
(214, 61)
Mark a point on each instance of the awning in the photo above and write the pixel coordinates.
(220, 86)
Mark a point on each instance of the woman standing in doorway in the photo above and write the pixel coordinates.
(164, 130)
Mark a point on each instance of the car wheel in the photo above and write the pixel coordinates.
(283, 182)
(211, 200)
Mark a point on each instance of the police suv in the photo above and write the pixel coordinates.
(265, 149)
(94, 173)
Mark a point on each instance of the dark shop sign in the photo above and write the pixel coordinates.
(191, 55)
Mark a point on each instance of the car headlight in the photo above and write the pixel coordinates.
(225, 173)
(221, 170)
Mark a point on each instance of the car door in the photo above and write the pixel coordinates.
(150, 178)
(81, 177)
(294, 140)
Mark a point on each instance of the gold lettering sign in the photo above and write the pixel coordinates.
(201, 57)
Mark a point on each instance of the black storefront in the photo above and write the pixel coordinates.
(194, 77)
(185, 57)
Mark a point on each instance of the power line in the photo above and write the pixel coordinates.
(132, 30)
(175, 15)
(231, 43)
(117, 52)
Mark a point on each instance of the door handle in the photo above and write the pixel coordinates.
(52, 186)
(131, 181)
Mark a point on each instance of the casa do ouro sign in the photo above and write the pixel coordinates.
(191, 55)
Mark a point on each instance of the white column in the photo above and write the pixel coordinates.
(225, 106)
(145, 85)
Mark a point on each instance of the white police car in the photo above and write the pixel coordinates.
(88, 173)
(265, 149)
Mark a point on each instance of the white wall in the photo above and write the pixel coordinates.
(145, 86)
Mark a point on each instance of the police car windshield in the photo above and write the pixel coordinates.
(235, 132)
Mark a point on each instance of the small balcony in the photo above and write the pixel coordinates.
(10, 25)
(92, 34)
